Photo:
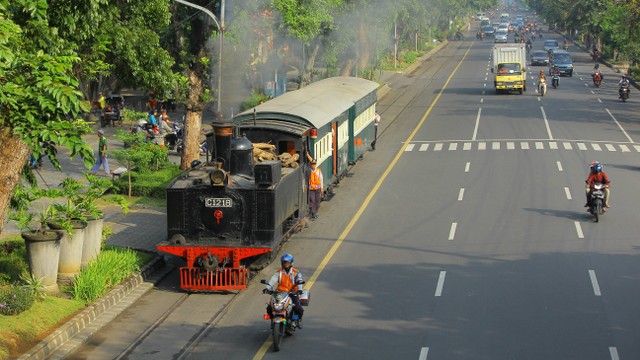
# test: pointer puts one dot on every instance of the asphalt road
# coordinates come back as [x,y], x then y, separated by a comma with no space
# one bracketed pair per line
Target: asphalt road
[463,236]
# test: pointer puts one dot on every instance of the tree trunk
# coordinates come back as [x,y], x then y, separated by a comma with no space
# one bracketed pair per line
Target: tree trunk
[13,154]
[193,121]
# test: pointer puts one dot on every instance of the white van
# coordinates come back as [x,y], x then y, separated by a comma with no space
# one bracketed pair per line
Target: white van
[504,16]
[480,16]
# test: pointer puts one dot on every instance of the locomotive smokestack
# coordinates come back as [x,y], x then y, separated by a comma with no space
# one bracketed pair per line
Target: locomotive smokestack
[223,135]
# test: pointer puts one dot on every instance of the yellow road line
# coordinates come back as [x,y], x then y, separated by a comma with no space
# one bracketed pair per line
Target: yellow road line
[263,349]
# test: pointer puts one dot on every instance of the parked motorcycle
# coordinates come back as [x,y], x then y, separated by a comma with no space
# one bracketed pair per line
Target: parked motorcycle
[596,200]
[542,87]
[284,321]
[623,93]
[555,81]
[597,78]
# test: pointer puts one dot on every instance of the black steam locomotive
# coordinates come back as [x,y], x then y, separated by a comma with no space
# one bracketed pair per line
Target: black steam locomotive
[233,212]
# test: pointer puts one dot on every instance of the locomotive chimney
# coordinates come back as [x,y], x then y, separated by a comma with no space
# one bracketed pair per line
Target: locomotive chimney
[223,132]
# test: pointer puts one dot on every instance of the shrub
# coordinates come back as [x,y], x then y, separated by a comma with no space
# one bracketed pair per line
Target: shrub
[15,299]
[107,271]
[410,57]
[255,99]
[634,72]
[151,184]
[13,263]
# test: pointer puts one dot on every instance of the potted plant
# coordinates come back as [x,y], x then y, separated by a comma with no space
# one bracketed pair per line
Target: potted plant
[42,243]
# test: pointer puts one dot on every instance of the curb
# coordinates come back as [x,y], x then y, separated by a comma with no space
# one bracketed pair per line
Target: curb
[384,88]
[64,333]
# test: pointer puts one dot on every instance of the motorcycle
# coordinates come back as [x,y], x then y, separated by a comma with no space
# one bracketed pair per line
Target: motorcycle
[528,46]
[596,200]
[623,92]
[597,78]
[284,321]
[174,138]
[565,46]
[542,87]
[555,81]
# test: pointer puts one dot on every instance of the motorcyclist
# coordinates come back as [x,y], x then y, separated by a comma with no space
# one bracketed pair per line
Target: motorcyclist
[286,279]
[597,176]
[565,45]
[555,72]
[529,45]
[596,70]
[624,81]
[542,78]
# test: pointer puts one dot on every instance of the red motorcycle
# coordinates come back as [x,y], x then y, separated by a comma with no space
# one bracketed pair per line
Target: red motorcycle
[597,78]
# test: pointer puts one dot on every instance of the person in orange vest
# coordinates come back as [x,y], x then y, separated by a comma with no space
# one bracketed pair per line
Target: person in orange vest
[315,189]
[287,279]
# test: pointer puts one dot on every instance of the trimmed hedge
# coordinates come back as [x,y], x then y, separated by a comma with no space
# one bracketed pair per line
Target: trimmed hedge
[150,184]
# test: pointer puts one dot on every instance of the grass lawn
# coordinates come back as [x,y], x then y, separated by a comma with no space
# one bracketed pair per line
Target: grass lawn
[20,332]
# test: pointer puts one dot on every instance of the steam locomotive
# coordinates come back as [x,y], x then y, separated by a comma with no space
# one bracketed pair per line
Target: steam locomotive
[231,215]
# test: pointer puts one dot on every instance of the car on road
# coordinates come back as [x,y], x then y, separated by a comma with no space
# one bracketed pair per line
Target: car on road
[563,60]
[550,45]
[539,58]
[501,36]
[488,31]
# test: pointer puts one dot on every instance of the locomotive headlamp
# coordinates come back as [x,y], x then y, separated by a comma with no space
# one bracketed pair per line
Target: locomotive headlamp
[314,133]
[218,177]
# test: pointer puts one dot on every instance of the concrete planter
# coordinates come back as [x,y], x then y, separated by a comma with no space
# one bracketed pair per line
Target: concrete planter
[43,253]
[92,240]
[70,251]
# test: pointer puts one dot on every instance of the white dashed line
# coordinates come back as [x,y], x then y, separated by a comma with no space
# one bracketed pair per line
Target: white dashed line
[440,284]
[482,146]
[453,146]
[579,230]
[452,231]
[567,145]
[610,147]
[637,147]
[553,145]
[511,145]
[559,165]
[423,353]
[582,146]
[613,352]
[437,147]
[475,129]
[539,145]
[600,101]
[594,283]
[624,148]
[567,192]
[409,147]
[467,167]
[495,146]
[524,145]
[460,194]
[466,146]
[596,147]
[424,147]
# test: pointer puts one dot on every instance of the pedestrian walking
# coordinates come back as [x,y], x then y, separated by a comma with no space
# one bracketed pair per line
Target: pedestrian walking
[376,121]
[101,160]
[315,189]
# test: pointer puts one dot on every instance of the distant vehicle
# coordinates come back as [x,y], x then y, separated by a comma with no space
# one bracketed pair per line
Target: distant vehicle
[504,15]
[540,58]
[550,45]
[488,31]
[503,27]
[114,105]
[563,60]
[480,15]
[501,36]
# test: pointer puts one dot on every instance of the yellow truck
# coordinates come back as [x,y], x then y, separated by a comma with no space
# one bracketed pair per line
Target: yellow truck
[510,67]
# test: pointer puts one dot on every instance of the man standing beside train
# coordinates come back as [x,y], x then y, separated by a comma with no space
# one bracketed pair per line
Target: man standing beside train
[315,189]
[376,121]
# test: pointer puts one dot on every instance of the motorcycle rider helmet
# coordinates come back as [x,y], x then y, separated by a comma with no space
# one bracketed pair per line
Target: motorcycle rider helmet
[286,258]
[596,66]
[541,72]
[596,167]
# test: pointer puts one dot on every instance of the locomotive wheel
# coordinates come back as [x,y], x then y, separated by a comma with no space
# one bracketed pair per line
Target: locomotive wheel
[178,240]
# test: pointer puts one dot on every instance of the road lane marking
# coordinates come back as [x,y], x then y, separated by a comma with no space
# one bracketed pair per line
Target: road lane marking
[579,230]
[567,192]
[524,145]
[610,147]
[600,101]
[365,204]
[466,167]
[481,100]
[437,147]
[539,145]
[624,148]
[559,165]
[596,147]
[553,145]
[423,353]
[637,147]
[440,284]
[452,231]
[592,93]
[567,145]
[613,352]
[594,283]
[424,147]
[495,146]
[409,147]
[475,129]
[582,146]
[453,146]
[482,145]
[466,146]
[460,194]
[620,126]
[546,123]
[511,145]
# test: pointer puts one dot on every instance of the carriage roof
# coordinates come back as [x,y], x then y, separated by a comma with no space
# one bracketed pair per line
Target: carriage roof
[312,106]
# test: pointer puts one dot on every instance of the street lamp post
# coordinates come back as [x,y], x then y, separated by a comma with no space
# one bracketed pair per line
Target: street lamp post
[220,26]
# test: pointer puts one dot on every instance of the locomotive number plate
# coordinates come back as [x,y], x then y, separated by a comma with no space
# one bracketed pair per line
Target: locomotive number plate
[218,202]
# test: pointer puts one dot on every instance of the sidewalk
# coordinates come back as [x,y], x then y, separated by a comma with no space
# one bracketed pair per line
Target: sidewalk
[142,228]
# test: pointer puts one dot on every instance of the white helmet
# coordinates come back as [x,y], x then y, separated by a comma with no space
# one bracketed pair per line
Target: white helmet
[141,123]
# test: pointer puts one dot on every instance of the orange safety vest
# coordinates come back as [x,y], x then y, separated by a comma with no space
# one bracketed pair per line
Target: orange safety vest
[286,282]
[315,180]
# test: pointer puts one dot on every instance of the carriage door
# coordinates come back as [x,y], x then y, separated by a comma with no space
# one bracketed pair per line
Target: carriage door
[334,147]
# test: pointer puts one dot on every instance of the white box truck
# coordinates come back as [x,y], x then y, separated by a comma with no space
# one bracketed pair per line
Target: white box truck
[510,67]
